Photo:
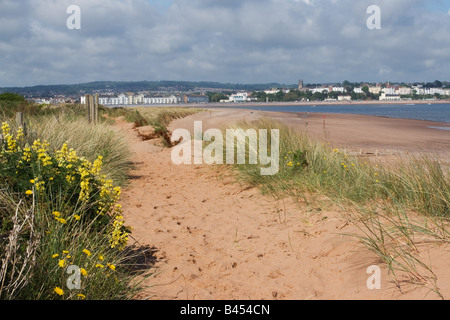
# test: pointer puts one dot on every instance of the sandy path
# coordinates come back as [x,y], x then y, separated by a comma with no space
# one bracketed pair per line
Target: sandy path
[217,239]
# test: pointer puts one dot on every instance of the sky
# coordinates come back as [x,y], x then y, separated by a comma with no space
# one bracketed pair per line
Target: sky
[230,41]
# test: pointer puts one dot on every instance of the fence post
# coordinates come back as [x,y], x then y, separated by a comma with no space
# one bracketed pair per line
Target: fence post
[92,108]
[96,108]
[88,108]
[21,122]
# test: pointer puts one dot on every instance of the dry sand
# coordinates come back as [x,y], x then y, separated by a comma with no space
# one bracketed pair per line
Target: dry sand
[214,238]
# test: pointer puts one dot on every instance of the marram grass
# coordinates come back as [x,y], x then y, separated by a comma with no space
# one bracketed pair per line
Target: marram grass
[308,165]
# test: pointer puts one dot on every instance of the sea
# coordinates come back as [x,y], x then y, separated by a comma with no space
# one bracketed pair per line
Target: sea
[439,112]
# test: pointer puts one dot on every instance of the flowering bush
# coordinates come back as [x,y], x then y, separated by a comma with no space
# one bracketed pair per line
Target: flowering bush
[75,210]
[296,160]
[37,171]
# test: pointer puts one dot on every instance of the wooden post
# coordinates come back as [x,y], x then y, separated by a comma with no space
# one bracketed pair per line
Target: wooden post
[91,109]
[88,108]
[95,109]
[21,122]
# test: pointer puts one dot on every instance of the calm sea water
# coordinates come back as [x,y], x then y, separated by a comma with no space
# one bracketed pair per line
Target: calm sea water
[432,112]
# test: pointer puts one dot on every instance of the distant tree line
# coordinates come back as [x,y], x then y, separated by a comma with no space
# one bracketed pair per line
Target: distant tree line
[9,96]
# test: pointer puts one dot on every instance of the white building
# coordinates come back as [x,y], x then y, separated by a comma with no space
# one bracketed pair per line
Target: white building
[389,97]
[320,90]
[403,91]
[358,90]
[433,91]
[338,89]
[160,100]
[344,98]
[375,90]
[273,91]
[388,91]
[122,99]
[239,97]
[419,90]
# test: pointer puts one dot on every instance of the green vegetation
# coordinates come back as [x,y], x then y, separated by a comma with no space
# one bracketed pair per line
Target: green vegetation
[57,210]
[59,207]
[216,97]
[60,185]
[8,96]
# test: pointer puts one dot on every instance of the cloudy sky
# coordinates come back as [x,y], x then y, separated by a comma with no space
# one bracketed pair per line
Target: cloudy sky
[237,41]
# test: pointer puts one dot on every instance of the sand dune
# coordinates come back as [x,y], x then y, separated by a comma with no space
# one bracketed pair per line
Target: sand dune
[217,239]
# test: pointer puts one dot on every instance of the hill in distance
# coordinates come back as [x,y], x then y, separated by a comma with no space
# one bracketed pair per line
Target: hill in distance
[133,86]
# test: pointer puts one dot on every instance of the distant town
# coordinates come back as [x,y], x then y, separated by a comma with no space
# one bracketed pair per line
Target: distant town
[179,93]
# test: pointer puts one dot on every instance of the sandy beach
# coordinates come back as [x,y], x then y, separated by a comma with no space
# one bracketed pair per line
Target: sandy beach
[215,238]
[357,133]
[300,103]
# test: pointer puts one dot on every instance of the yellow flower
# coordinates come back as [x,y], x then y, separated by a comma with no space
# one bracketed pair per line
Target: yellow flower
[59,291]
[66,252]
[77,217]
[83,272]
[62,263]
[100,257]
[112,267]
[82,296]
[28,192]
[56,214]
[55,256]
[98,265]
[61,220]
[87,252]
[32,181]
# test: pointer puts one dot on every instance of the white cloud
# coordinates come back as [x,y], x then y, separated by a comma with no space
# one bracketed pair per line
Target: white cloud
[230,41]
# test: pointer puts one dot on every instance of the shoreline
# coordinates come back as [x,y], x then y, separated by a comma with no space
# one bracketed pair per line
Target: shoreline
[323,103]
[358,132]
[444,126]
[243,106]
[288,103]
